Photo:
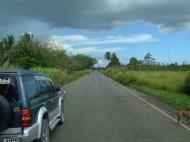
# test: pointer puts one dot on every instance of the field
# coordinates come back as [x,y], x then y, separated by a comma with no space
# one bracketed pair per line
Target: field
[166,85]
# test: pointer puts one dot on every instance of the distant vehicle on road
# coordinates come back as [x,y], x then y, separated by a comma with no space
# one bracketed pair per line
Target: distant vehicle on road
[30,106]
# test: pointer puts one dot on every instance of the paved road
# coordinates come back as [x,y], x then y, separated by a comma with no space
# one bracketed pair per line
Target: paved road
[98,110]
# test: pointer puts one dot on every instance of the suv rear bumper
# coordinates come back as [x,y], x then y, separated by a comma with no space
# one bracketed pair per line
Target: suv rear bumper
[12,138]
[29,134]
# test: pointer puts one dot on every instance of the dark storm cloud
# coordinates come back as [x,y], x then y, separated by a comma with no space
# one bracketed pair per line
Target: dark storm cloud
[169,15]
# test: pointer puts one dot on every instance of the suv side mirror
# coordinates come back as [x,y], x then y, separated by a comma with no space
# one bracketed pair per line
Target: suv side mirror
[57,88]
[64,92]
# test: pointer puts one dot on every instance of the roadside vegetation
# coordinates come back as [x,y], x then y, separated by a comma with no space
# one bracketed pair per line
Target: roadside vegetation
[170,83]
[60,76]
[28,52]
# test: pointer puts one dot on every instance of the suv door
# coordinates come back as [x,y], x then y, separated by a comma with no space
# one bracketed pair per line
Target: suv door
[54,98]
[34,90]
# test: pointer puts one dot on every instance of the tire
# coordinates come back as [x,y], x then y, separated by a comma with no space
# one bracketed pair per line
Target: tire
[45,136]
[62,119]
[5,109]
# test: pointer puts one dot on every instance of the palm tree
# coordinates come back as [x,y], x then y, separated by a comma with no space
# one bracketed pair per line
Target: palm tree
[108,56]
[7,47]
[115,60]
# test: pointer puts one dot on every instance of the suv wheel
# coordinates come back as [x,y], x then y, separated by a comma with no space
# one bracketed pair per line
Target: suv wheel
[62,115]
[44,132]
[6,111]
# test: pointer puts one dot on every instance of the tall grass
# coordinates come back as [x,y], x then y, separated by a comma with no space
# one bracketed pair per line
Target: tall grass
[60,76]
[163,80]
[167,85]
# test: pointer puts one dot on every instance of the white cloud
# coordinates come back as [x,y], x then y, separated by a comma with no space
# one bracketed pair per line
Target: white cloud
[97,49]
[122,40]
[67,47]
[70,38]
[85,50]
[101,63]
[80,44]
[83,40]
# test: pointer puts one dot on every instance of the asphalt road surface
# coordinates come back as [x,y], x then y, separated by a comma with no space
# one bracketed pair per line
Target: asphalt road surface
[97,109]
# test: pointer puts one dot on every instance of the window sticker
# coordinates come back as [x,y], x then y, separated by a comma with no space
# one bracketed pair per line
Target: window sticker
[5,81]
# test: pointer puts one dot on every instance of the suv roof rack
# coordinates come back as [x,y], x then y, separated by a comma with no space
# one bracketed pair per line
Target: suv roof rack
[21,72]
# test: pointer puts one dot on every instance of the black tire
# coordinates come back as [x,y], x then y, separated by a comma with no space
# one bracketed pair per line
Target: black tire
[45,136]
[62,119]
[5,110]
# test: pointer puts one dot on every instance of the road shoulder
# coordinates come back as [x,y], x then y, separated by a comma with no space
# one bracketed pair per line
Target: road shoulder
[154,102]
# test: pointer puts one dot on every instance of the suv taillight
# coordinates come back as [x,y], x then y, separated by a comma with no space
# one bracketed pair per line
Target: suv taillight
[26,117]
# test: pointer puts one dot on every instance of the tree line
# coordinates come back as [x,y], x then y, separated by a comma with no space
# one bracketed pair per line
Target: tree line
[147,63]
[28,51]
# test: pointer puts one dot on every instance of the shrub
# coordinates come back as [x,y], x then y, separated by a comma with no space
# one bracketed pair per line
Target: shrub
[187,85]
[26,62]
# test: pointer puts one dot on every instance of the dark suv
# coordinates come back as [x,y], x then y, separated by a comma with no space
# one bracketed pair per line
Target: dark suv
[30,106]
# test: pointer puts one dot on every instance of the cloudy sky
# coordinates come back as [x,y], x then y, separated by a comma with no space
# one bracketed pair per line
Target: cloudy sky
[127,27]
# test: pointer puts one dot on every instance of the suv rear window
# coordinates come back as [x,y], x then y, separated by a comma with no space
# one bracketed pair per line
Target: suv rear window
[9,87]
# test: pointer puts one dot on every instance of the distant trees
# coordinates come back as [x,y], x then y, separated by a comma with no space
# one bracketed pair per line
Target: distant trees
[149,63]
[134,63]
[80,62]
[112,58]
[149,60]
[28,52]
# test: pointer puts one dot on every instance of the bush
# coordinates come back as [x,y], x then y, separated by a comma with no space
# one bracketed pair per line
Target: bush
[26,62]
[187,85]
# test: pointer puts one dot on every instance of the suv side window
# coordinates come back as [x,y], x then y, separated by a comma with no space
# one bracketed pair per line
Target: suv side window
[41,85]
[48,87]
[30,86]
[52,86]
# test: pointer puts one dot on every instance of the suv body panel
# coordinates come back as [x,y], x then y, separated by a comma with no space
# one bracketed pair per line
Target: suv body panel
[46,105]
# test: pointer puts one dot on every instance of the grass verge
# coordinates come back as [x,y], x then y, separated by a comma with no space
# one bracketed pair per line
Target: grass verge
[175,99]
[165,85]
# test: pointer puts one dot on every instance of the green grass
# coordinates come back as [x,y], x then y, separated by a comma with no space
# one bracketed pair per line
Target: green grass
[60,76]
[177,100]
[163,80]
[57,75]
[166,85]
